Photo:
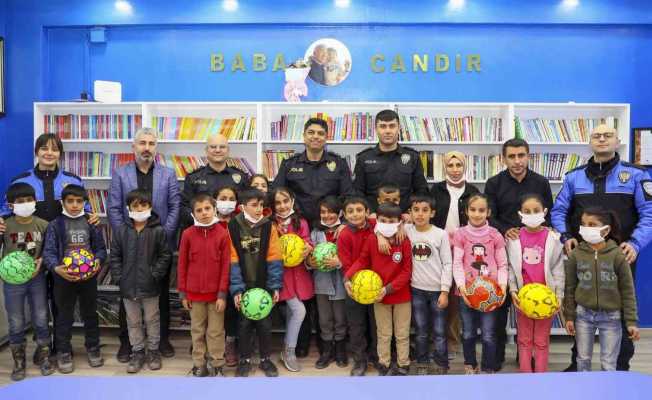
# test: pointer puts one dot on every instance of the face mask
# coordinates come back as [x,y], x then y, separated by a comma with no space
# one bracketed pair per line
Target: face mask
[454,181]
[283,216]
[532,220]
[592,235]
[387,230]
[334,224]
[140,216]
[201,225]
[81,214]
[252,219]
[25,209]
[225,207]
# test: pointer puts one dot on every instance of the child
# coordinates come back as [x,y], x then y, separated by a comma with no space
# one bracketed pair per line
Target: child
[333,70]
[535,257]
[391,193]
[139,259]
[599,290]
[297,281]
[226,202]
[432,277]
[256,261]
[260,182]
[24,232]
[392,308]
[359,317]
[329,289]
[478,250]
[202,280]
[72,231]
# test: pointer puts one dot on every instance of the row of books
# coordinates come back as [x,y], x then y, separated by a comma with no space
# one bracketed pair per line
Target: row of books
[350,126]
[555,165]
[94,164]
[190,128]
[479,167]
[75,126]
[97,198]
[559,130]
[462,129]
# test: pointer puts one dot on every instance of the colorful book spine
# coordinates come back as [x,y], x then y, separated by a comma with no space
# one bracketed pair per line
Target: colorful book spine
[454,129]
[97,198]
[560,130]
[200,129]
[75,126]
[348,127]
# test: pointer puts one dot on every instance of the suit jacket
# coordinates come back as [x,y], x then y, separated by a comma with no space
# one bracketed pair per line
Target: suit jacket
[166,197]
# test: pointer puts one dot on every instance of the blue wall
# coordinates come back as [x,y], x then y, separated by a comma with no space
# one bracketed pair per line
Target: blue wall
[531,51]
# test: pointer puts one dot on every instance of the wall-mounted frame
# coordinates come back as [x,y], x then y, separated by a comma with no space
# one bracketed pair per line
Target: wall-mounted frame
[642,146]
[2,76]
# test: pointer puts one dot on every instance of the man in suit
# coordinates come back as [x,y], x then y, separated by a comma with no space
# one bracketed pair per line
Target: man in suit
[161,183]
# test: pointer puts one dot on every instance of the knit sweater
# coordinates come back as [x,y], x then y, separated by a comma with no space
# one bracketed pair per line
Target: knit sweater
[350,241]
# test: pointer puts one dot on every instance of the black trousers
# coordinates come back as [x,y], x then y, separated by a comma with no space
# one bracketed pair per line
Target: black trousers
[360,319]
[66,295]
[501,329]
[263,330]
[231,318]
[164,309]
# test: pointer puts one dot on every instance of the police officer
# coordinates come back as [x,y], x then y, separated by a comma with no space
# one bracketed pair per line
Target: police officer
[618,186]
[314,173]
[389,162]
[211,177]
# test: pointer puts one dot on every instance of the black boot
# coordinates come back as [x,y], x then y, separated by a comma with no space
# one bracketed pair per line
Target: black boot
[124,352]
[327,355]
[46,365]
[341,358]
[18,353]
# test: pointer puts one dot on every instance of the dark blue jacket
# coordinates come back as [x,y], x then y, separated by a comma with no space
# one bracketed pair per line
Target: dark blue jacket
[54,245]
[615,185]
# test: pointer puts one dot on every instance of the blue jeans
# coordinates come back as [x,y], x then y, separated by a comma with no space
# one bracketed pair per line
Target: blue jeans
[428,320]
[35,293]
[486,322]
[609,328]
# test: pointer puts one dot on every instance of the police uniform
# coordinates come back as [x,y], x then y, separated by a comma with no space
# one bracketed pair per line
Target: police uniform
[614,185]
[206,179]
[310,181]
[401,167]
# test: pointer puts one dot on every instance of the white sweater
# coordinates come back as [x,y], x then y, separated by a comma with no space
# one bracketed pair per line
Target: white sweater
[431,259]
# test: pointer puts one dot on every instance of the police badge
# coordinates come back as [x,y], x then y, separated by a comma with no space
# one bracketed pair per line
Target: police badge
[236,178]
[405,158]
[647,189]
[624,176]
[331,165]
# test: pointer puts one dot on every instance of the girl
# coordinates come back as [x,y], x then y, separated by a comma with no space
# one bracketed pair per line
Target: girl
[599,286]
[535,257]
[227,200]
[478,250]
[329,288]
[297,281]
[260,182]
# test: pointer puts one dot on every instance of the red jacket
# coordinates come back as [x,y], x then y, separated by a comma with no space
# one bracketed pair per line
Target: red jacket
[297,281]
[350,241]
[204,263]
[395,269]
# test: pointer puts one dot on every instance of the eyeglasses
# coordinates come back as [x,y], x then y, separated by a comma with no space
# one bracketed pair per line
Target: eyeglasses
[606,135]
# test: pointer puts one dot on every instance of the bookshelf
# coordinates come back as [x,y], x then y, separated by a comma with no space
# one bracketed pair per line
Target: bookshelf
[256,126]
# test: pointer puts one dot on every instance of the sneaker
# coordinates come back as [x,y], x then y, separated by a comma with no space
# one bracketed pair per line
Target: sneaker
[45,364]
[65,363]
[382,370]
[268,367]
[136,362]
[218,372]
[231,353]
[124,352]
[166,349]
[95,359]
[359,368]
[289,359]
[324,360]
[469,370]
[400,371]
[200,372]
[154,360]
[244,367]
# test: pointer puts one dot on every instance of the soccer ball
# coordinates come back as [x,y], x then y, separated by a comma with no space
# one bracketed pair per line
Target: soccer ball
[484,294]
[324,251]
[537,301]
[292,247]
[17,268]
[81,263]
[256,304]
[365,286]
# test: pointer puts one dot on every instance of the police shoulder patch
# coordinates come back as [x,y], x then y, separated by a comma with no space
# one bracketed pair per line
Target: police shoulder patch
[646,185]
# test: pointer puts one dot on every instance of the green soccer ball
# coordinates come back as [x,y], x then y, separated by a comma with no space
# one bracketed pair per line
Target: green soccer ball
[256,304]
[17,268]
[322,252]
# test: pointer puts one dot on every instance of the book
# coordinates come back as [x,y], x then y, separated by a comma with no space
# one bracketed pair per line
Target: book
[453,129]
[106,126]
[348,127]
[200,129]
[559,130]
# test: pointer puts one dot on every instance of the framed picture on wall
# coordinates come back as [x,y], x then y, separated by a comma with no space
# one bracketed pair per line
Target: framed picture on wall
[2,76]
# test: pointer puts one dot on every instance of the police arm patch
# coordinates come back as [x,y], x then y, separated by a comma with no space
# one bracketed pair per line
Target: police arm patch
[646,185]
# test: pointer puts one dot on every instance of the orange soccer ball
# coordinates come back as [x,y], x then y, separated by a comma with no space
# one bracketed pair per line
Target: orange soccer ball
[484,294]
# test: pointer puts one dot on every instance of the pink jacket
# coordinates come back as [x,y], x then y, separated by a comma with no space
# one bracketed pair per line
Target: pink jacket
[479,250]
[297,281]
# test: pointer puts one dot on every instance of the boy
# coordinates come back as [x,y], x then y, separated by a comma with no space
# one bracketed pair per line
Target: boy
[139,259]
[359,317]
[24,232]
[432,277]
[67,232]
[202,279]
[389,193]
[392,308]
[255,262]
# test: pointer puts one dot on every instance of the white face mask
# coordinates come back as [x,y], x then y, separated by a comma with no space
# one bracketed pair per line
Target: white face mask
[25,209]
[140,216]
[334,224]
[252,219]
[387,230]
[214,221]
[533,220]
[81,214]
[290,212]
[592,235]
[225,207]
[455,181]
